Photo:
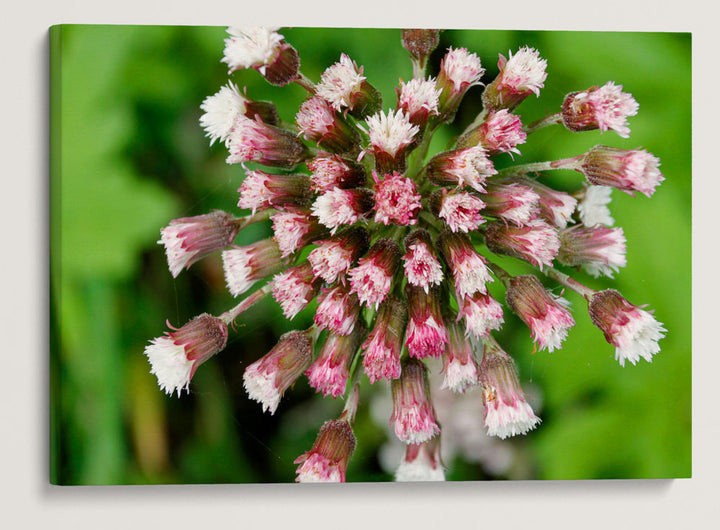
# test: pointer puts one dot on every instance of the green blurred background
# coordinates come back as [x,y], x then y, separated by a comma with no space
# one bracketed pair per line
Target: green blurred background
[128,155]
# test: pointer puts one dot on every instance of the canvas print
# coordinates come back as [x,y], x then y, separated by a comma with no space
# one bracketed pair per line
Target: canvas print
[368,255]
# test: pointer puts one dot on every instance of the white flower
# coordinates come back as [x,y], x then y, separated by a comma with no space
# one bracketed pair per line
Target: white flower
[505,419]
[418,94]
[390,133]
[593,208]
[221,110]
[261,386]
[462,68]
[339,82]
[638,337]
[251,47]
[471,274]
[525,71]
[169,364]
[236,264]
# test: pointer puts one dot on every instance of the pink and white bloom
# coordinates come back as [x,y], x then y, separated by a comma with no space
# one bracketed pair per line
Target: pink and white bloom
[175,356]
[328,459]
[418,99]
[629,171]
[482,314]
[512,202]
[330,371]
[421,463]
[607,107]
[263,49]
[422,267]
[338,310]
[383,345]
[413,413]
[593,206]
[396,200]
[501,132]
[267,379]
[342,83]
[462,167]
[469,269]
[426,334]
[251,140]
[261,190]
[342,207]
[243,266]
[547,316]
[295,229]
[189,239]
[633,331]
[459,365]
[556,207]
[294,289]
[459,70]
[537,242]
[507,413]
[460,210]
[390,136]
[372,278]
[520,75]
[334,257]
[332,171]
[318,122]
[599,250]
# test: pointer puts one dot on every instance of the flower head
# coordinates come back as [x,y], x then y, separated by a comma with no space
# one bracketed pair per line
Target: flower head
[332,171]
[537,242]
[328,459]
[607,107]
[330,371]
[520,75]
[372,278]
[501,132]
[459,365]
[556,207]
[294,230]
[261,48]
[482,314]
[396,200]
[338,310]
[342,207]
[592,207]
[469,268]
[175,356]
[633,331]
[261,190]
[243,266]
[422,266]
[333,257]
[418,99]
[251,140]
[390,136]
[460,210]
[426,335]
[462,167]
[599,250]
[413,413]
[383,346]
[629,171]
[318,122]
[294,289]
[421,463]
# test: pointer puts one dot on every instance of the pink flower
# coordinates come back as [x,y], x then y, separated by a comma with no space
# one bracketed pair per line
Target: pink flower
[294,289]
[461,210]
[512,202]
[607,107]
[333,257]
[546,316]
[629,171]
[294,230]
[342,207]
[330,371]
[599,250]
[332,171]
[384,344]
[507,413]
[372,278]
[459,365]
[338,310]
[390,136]
[462,167]
[175,356]
[261,190]
[469,268]
[422,267]
[425,335]
[520,75]
[459,70]
[501,132]
[318,122]
[251,140]
[328,459]
[413,413]
[556,207]
[482,314]
[267,379]
[536,242]
[243,266]
[418,99]
[396,200]
[633,331]
[340,83]
[189,239]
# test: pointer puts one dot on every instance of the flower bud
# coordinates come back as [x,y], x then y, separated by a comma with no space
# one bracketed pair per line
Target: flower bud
[633,331]
[420,43]
[546,315]
[629,171]
[267,379]
[413,413]
[243,266]
[175,356]
[607,107]
[189,239]
[507,413]
[328,459]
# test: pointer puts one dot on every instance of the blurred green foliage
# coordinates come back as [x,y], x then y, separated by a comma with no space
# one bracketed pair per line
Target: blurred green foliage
[128,155]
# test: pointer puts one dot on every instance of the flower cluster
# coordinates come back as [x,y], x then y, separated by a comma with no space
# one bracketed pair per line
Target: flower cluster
[399,246]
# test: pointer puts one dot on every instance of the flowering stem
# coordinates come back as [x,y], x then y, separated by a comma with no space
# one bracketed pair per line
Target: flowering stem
[242,222]
[351,402]
[564,163]
[476,122]
[552,119]
[232,314]
[567,281]
[305,82]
